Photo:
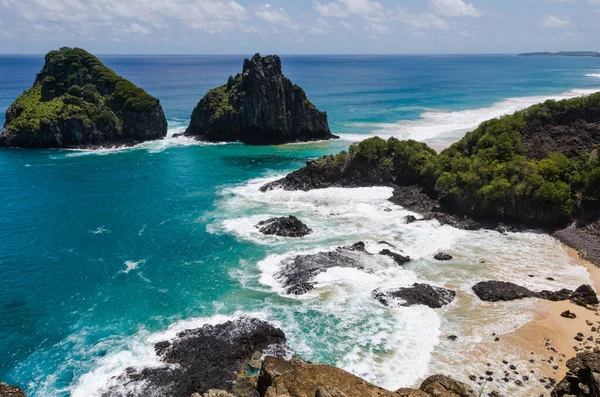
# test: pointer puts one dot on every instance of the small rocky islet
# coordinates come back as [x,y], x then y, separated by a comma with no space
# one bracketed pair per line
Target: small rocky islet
[78,102]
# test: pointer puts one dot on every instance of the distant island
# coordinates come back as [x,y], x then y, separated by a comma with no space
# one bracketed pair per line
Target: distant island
[592,54]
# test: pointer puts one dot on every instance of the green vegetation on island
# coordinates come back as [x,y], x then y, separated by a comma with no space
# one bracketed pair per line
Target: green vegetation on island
[78,101]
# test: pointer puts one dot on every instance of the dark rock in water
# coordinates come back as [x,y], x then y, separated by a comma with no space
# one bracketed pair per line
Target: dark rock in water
[284,227]
[77,102]
[10,391]
[584,296]
[410,219]
[452,338]
[568,314]
[211,357]
[495,291]
[441,256]
[440,385]
[258,106]
[399,259]
[297,275]
[298,378]
[418,294]
[415,198]
[583,378]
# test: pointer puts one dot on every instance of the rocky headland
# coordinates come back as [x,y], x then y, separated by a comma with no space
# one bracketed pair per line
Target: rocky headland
[259,106]
[78,102]
[538,167]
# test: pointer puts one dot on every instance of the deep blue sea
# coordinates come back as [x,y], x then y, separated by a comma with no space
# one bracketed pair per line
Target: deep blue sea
[104,253]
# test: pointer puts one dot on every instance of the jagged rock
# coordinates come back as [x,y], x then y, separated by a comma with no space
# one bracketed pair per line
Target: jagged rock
[568,314]
[208,358]
[215,393]
[285,227]
[582,378]
[418,294]
[298,273]
[298,378]
[442,256]
[584,296]
[443,386]
[10,391]
[77,102]
[584,236]
[259,106]
[495,291]
[399,259]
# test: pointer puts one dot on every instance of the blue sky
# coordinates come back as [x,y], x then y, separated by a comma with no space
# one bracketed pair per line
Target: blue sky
[299,26]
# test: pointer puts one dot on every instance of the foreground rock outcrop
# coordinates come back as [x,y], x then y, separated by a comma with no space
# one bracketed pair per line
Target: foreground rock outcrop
[583,378]
[10,391]
[284,227]
[259,106]
[298,378]
[495,291]
[584,236]
[212,357]
[77,102]
[418,294]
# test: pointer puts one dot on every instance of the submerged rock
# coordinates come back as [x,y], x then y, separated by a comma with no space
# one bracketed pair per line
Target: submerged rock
[285,227]
[495,291]
[77,102]
[298,378]
[10,391]
[442,256]
[258,106]
[212,357]
[297,275]
[399,259]
[418,294]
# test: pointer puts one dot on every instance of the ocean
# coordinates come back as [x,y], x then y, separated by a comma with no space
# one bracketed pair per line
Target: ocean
[103,253]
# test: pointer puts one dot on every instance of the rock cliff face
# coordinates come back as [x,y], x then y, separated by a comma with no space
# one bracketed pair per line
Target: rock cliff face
[259,106]
[77,102]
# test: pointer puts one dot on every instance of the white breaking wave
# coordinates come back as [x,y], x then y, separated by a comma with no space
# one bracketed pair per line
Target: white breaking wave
[597,75]
[452,126]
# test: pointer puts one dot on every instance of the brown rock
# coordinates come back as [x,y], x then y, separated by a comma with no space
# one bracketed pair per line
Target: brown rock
[443,386]
[10,391]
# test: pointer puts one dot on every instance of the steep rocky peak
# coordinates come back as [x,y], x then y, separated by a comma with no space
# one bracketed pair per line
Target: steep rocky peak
[260,66]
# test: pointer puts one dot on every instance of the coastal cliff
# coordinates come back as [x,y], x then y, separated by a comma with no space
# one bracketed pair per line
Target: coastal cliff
[78,102]
[258,106]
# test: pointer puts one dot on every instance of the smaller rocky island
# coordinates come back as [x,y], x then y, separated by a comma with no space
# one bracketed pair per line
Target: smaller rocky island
[78,102]
[259,106]
[284,227]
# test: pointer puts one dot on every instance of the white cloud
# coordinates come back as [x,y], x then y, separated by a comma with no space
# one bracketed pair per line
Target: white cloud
[368,9]
[454,8]
[136,29]
[552,21]
[211,16]
[272,14]
[330,10]
[422,21]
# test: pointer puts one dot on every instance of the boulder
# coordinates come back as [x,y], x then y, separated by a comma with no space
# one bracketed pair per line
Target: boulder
[77,102]
[284,227]
[211,359]
[568,314]
[418,294]
[584,296]
[441,256]
[443,386]
[582,378]
[258,106]
[10,391]
[298,378]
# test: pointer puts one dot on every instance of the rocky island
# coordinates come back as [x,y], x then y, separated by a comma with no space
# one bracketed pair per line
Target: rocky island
[259,106]
[78,102]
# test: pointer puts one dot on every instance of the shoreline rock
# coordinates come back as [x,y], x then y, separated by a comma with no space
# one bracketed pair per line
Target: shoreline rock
[259,106]
[284,227]
[78,102]
[418,294]
[11,391]
[496,291]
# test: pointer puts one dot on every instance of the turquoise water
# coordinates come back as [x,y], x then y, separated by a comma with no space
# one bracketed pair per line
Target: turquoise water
[100,251]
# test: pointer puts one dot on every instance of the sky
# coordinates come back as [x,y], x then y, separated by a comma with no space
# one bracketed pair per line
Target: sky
[299,26]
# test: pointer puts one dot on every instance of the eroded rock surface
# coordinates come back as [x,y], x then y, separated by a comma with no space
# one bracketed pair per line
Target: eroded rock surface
[418,294]
[284,227]
[10,391]
[495,291]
